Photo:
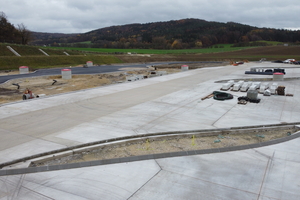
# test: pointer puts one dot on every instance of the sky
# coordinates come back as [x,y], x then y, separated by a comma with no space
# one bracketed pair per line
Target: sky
[81,16]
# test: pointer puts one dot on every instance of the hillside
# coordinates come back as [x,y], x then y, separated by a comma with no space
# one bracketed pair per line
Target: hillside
[175,34]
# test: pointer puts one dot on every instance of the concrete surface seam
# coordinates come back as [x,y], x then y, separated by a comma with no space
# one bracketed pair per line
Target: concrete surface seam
[146,181]
[223,115]
[270,161]
[18,187]
[142,157]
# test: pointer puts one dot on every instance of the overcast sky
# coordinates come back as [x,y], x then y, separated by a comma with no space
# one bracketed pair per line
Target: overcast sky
[80,16]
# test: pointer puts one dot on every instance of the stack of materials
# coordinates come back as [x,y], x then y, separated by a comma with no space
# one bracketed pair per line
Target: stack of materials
[227,85]
[245,86]
[237,86]
[280,90]
[263,87]
[273,88]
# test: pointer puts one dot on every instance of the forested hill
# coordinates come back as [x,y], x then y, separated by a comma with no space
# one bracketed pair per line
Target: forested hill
[175,34]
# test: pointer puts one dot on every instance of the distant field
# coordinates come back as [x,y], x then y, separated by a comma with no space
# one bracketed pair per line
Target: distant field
[215,49]
[78,56]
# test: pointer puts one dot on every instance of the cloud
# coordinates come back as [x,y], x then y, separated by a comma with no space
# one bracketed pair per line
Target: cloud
[77,16]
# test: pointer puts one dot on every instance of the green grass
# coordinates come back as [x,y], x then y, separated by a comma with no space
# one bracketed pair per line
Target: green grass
[36,62]
[26,50]
[270,42]
[226,47]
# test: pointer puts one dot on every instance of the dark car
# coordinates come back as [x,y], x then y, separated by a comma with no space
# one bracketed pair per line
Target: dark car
[277,61]
[279,70]
[269,70]
[296,63]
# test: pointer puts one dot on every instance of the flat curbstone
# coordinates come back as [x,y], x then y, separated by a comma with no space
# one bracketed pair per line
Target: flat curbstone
[114,160]
[254,146]
[133,158]
[208,151]
[124,160]
[30,170]
[85,164]
[143,157]
[74,165]
[169,155]
[14,171]
[53,167]
[191,153]
[161,155]
[150,157]
[177,154]
[238,148]
[3,172]
[225,149]
[200,151]
[41,169]
[65,166]
[105,162]
[95,163]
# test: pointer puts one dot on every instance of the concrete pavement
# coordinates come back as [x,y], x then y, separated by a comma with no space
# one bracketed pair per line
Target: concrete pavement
[166,103]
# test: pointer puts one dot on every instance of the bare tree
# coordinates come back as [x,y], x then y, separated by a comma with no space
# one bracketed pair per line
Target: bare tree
[25,34]
[3,16]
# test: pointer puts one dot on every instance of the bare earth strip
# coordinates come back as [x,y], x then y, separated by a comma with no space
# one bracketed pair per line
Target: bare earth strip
[166,145]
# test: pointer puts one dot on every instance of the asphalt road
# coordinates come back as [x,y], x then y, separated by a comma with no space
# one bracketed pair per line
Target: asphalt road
[81,70]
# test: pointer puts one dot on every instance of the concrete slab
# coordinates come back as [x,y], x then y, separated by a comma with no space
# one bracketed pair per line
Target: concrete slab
[166,103]
[105,182]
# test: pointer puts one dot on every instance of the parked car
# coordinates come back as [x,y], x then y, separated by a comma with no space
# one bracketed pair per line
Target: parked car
[296,62]
[289,61]
[277,61]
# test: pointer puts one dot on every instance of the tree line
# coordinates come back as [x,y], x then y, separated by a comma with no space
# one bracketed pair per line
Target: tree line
[11,34]
[174,34]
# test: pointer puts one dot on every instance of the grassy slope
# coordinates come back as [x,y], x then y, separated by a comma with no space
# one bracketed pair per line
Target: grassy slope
[35,62]
[225,48]
[58,59]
